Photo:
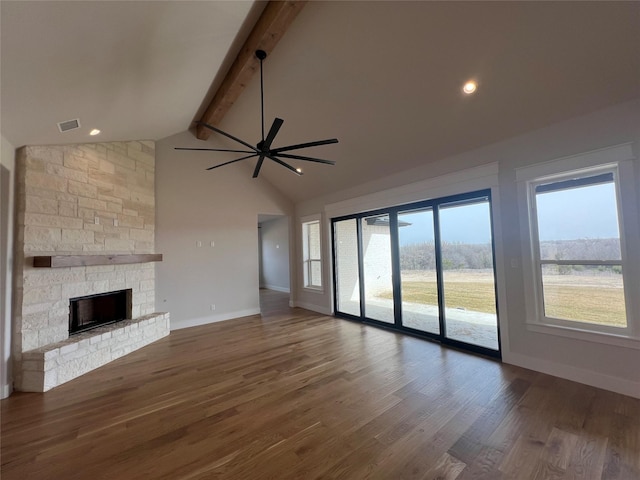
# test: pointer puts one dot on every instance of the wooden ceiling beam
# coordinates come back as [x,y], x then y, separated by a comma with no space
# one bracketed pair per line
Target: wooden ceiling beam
[268,30]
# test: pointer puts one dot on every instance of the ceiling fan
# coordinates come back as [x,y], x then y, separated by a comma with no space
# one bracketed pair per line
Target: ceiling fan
[263,148]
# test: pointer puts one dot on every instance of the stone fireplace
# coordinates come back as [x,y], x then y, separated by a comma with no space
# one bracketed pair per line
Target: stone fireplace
[82,201]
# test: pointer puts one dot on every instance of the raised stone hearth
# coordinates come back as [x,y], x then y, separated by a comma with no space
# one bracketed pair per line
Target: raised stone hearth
[57,363]
[73,201]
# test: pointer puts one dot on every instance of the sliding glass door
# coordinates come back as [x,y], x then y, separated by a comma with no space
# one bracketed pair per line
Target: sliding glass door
[347,278]
[418,279]
[376,268]
[468,285]
[425,268]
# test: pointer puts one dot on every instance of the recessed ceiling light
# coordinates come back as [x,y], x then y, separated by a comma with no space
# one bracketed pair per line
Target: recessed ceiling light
[299,170]
[470,87]
[95,131]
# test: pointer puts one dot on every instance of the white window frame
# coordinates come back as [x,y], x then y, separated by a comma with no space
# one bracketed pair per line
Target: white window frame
[620,161]
[307,262]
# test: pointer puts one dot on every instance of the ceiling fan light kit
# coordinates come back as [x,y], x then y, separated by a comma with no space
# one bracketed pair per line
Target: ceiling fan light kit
[263,148]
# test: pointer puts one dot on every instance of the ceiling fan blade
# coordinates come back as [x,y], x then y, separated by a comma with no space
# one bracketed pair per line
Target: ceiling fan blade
[258,166]
[307,159]
[305,145]
[275,127]
[212,149]
[217,130]
[233,161]
[286,165]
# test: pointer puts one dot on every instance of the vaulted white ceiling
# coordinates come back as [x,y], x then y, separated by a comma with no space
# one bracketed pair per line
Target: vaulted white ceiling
[134,69]
[383,77]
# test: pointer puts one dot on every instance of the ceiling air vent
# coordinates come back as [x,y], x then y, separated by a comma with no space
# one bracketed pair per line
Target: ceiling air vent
[69,125]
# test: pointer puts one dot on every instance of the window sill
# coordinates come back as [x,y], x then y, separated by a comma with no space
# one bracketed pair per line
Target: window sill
[313,289]
[586,335]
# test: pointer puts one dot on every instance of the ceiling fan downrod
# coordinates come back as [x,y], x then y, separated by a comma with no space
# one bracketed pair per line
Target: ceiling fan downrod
[261,55]
[263,148]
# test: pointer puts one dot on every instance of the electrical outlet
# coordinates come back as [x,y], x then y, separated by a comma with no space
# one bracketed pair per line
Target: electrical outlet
[213,307]
[97,220]
[198,243]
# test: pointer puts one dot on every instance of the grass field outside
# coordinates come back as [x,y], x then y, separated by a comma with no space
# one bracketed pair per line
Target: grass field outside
[588,298]
[587,303]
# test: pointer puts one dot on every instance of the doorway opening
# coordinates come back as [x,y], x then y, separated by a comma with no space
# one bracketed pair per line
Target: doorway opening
[273,258]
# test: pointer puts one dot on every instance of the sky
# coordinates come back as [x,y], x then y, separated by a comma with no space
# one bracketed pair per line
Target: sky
[587,212]
[463,224]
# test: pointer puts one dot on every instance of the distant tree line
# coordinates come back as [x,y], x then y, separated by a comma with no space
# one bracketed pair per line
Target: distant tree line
[421,256]
[584,249]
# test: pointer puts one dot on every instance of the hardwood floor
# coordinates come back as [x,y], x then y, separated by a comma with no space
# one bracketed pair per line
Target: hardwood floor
[294,394]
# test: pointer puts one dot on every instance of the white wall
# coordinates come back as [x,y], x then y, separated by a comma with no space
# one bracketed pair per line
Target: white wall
[7,166]
[275,254]
[606,366]
[220,206]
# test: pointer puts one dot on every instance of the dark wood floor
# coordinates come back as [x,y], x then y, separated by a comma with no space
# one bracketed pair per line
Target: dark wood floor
[294,394]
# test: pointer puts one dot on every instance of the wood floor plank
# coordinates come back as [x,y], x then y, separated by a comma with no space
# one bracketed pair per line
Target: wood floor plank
[447,468]
[587,460]
[291,394]
[471,442]
[621,458]
[416,453]
[522,457]
[559,448]
[484,466]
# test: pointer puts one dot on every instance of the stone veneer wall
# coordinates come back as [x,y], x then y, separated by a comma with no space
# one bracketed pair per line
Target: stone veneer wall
[78,199]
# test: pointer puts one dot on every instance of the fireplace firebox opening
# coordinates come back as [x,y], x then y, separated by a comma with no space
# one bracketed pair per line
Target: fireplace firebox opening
[93,311]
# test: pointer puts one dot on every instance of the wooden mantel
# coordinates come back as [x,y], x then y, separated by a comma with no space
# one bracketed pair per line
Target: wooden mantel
[55,261]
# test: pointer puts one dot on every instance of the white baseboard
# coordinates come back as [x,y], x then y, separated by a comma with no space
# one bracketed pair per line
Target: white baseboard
[276,288]
[7,389]
[314,308]
[594,379]
[195,322]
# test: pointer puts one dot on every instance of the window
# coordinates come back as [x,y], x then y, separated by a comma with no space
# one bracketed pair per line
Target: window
[312,255]
[578,250]
[580,277]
